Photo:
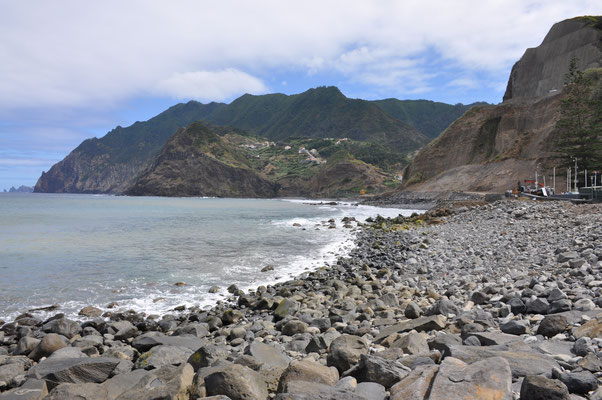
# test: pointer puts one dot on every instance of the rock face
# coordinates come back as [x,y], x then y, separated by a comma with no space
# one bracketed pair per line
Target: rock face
[196,162]
[540,71]
[491,148]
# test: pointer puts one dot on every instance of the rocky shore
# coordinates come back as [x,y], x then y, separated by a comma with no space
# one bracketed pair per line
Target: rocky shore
[497,301]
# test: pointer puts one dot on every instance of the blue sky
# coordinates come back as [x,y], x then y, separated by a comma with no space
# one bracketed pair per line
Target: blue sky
[72,70]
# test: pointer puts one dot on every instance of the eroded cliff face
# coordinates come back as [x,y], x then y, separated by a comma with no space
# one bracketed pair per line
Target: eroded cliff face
[491,148]
[196,162]
[540,71]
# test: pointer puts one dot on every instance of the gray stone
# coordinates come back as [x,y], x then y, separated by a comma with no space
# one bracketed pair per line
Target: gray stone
[423,324]
[412,343]
[160,356]
[583,346]
[579,382]
[371,390]
[49,344]
[412,311]
[584,305]
[32,389]
[294,327]
[523,361]
[302,390]
[62,326]
[79,391]
[538,306]
[517,306]
[345,351]
[535,387]
[285,308]
[166,383]
[26,345]
[196,329]
[237,382]
[515,327]
[566,256]
[443,306]
[67,352]
[494,338]
[443,341]
[9,372]
[307,371]
[372,368]
[552,325]
[268,355]
[74,370]
[416,385]
[207,356]
[90,312]
[148,340]
[485,379]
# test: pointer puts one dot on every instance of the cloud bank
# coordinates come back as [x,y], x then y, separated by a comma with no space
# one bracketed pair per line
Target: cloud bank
[74,53]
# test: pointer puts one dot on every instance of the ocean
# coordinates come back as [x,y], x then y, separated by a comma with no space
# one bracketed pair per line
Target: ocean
[151,254]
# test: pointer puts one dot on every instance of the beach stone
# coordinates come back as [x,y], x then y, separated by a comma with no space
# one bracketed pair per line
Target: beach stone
[62,326]
[584,305]
[26,345]
[443,341]
[412,343]
[560,306]
[67,352]
[479,298]
[591,329]
[48,345]
[168,382]
[294,327]
[309,371]
[371,390]
[372,368]
[90,312]
[345,351]
[515,327]
[442,306]
[494,338]
[207,355]
[81,391]
[579,382]
[566,256]
[490,378]
[237,382]
[268,355]
[347,383]
[535,387]
[9,372]
[412,311]
[538,306]
[32,389]
[583,346]
[126,332]
[302,390]
[195,329]
[285,308]
[517,306]
[591,363]
[73,370]
[321,323]
[552,325]
[149,340]
[422,324]
[416,384]
[523,361]
[160,356]
[237,333]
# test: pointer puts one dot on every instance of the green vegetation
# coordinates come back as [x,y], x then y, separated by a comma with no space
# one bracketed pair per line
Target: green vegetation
[578,133]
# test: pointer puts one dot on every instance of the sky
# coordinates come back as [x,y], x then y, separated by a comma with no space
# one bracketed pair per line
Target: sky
[72,69]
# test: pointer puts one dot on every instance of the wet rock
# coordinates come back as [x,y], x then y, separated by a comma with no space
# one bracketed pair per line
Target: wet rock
[535,387]
[345,351]
[489,378]
[237,382]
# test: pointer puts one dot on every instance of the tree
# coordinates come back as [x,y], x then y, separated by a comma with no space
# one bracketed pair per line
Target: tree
[578,131]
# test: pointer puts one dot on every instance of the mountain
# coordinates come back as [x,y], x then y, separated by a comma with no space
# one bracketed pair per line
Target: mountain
[491,148]
[197,162]
[112,163]
[429,117]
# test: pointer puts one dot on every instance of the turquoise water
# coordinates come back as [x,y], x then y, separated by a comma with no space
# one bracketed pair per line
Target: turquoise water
[78,250]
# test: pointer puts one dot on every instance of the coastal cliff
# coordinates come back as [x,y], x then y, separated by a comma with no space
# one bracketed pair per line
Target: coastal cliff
[491,148]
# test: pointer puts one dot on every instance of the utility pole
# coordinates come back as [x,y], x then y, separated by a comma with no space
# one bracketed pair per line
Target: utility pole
[576,190]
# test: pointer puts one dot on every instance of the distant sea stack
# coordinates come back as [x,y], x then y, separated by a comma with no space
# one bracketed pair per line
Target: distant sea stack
[491,148]
[20,189]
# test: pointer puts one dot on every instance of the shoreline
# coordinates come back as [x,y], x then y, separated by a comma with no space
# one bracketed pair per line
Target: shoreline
[477,283]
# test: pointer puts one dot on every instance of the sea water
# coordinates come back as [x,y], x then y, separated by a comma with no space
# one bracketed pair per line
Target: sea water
[151,254]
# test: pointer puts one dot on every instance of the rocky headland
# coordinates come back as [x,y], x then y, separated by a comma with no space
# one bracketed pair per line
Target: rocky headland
[492,301]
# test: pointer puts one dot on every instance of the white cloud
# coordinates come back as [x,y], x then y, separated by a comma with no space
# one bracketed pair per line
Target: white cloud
[74,53]
[210,85]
